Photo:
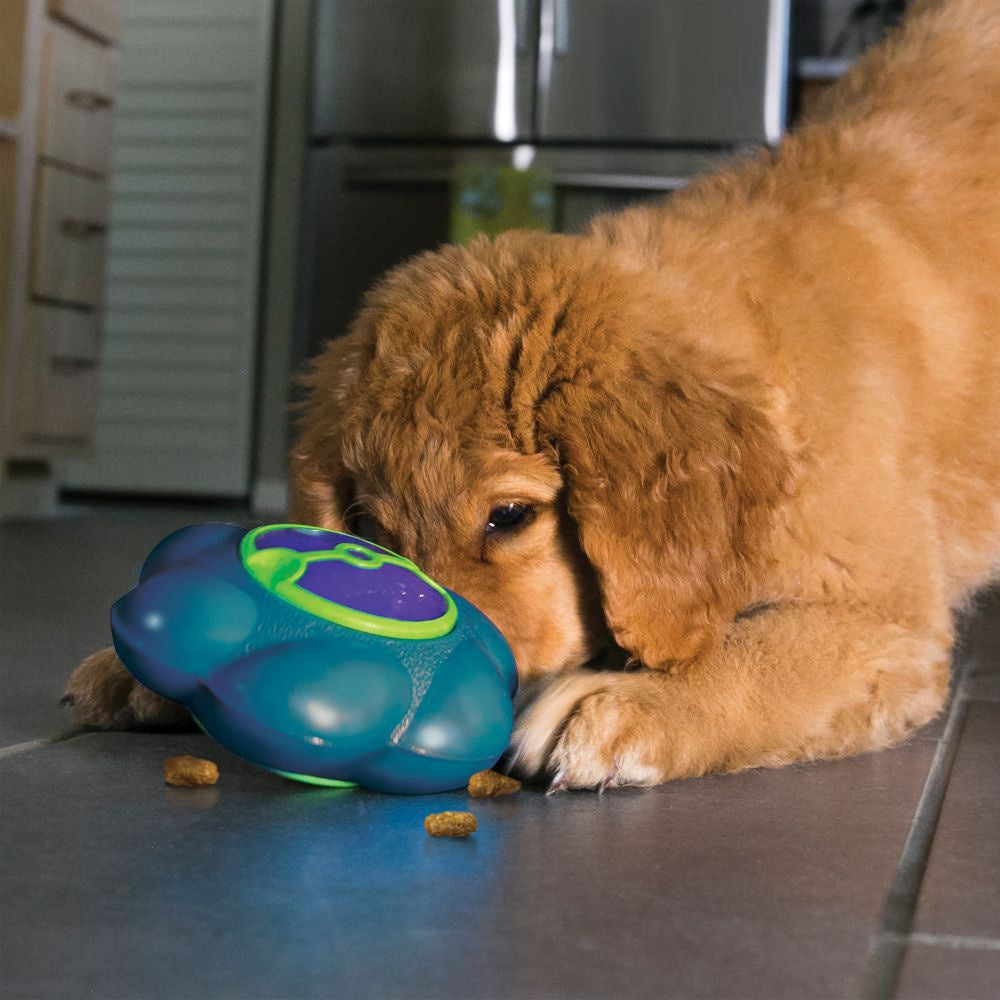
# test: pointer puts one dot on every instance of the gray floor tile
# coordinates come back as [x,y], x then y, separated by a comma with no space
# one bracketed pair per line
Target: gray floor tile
[981,636]
[764,884]
[945,972]
[981,649]
[58,583]
[960,894]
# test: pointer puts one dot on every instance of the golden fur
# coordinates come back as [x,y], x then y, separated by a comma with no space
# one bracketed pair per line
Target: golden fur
[756,422]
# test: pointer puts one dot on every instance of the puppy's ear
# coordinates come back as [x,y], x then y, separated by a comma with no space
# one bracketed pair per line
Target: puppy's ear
[673,478]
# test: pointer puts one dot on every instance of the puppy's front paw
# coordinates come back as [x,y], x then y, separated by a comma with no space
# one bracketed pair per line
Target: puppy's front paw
[101,693]
[595,730]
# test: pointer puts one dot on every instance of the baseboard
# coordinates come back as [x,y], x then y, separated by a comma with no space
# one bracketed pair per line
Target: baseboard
[29,492]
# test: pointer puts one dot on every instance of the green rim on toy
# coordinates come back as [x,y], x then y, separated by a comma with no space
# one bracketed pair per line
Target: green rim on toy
[279,570]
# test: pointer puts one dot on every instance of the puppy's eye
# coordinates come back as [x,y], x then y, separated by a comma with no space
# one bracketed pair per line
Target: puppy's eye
[509,516]
[364,525]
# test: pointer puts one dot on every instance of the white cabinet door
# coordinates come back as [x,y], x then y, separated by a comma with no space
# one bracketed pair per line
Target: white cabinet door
[187,189]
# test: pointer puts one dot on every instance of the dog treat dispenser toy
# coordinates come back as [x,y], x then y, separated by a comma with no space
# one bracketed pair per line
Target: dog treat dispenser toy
[320,655]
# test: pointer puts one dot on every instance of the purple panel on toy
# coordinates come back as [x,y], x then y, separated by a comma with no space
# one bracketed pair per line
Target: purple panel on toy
[389,591]
[305,540]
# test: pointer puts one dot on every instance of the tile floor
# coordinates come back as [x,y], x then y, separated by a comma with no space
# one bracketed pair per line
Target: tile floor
[877,876]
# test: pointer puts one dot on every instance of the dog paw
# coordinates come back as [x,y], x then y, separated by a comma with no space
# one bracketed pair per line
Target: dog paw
[102,694]
[593,730]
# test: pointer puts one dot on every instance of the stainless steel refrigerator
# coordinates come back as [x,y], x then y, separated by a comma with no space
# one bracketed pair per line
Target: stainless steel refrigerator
[616,99]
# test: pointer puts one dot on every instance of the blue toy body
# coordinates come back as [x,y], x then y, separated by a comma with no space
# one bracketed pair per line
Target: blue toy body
[320,655]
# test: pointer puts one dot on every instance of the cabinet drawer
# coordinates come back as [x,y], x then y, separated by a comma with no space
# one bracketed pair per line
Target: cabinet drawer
[99,17]
[70,238]
[75,112]
[60,399]
[14,16]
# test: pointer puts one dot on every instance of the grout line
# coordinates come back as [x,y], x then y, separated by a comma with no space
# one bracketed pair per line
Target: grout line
[984,687]
[958,942]
[885,959]
[17,748]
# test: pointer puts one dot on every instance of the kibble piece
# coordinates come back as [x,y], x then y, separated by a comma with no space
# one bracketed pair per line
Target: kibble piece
[189,771]
[488,783]
[450,824]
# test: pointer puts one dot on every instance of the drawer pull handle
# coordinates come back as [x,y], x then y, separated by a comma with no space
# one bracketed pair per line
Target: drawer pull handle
[88,100]
[71,366]
[81,229]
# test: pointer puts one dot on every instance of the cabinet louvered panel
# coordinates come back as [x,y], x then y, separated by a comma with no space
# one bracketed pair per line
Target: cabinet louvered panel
[176,399]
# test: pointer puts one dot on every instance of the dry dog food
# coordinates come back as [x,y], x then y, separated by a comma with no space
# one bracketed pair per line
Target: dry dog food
[189,771]
[484,784]
[450,824]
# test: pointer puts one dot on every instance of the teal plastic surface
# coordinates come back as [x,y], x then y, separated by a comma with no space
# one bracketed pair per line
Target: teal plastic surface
[307,695]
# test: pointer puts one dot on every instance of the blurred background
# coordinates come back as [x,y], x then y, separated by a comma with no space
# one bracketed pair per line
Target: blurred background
[194,194]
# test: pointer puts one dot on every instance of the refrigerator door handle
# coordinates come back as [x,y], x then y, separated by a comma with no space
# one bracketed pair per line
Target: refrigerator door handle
[505,117]
[587,180]
[560,28]
[553,44]
[778,19]
[359,177]
[546,56]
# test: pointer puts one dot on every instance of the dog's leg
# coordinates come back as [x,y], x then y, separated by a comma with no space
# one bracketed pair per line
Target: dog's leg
[103,694]
[789,684]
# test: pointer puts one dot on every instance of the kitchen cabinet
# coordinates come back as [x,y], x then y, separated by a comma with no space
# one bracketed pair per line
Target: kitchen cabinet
[58,66]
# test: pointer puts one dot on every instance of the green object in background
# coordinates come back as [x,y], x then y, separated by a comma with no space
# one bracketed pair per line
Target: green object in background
[490,200]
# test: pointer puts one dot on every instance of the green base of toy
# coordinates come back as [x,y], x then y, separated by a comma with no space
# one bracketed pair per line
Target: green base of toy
[308,779]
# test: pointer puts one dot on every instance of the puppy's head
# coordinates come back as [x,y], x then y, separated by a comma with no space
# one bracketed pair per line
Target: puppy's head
[517,418]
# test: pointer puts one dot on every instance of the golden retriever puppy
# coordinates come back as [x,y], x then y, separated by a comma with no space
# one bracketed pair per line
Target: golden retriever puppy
[745,440]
